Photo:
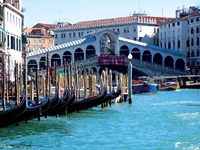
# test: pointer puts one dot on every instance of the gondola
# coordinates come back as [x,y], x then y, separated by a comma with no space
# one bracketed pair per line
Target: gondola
[112,95]
[62,104]
[7,115]
[54,102]
[86,103]
[44,103]
[63,108]
[29,113]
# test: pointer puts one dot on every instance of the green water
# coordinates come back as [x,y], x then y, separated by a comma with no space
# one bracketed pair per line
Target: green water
[166,120]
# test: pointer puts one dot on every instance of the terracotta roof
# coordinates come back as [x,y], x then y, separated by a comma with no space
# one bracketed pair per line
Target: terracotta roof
[116,21]
[43,25]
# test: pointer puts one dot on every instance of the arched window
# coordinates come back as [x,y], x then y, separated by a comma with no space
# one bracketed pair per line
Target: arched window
[197,41]
[188,54]
[192,54]
[192,42]
[169,45]
[192,31]
[197,52]
[197,30]
[178,43]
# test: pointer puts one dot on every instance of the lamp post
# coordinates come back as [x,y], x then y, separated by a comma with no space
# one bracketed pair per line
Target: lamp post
[130,78]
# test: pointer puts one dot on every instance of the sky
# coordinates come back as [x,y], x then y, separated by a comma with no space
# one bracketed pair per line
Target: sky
[72,11]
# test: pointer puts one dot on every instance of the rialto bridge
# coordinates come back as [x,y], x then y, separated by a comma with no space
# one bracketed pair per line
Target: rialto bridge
[105,49]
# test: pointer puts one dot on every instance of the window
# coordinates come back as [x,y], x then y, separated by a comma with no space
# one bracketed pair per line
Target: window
[19,23]
[56,36]
[197,41]
[11,18]
[178,23]
[154,30]
[169,45]
[74,34]
[70,35]
[117,29]
[192,31]
[51,41]
[197,19]
[192,42]
[16,22]
[192,54]
[178,43]
[197,30]
[197,52]
[7,17]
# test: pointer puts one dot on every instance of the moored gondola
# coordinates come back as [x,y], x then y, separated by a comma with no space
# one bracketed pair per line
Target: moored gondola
[110,96]
[54,102]
[86,103]
[7,115]
[62,104]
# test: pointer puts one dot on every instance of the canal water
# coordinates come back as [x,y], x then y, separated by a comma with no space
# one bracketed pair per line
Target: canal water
[166,120]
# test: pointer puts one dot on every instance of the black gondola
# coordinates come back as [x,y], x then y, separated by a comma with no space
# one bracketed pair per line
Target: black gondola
[62,104]
[110,96]
[63,108]
[7,116]
[86,103]
[54,102]
[30,113]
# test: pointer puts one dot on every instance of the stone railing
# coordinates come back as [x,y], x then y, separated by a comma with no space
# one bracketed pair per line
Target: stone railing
[147,67]
[155,68]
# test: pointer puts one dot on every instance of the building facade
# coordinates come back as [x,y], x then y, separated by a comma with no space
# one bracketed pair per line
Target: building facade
[141,28]
[183,34]
[40,36]
[11,33]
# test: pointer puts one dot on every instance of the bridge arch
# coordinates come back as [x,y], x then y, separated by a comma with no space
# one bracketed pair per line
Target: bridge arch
[32,64]
[169,61]
[55,58]
[42,62]
[90,51]
[136,53]
[158,59]
[146,56]
[124,51]
[78,55]
[67,56]
[180,64]
[107,43]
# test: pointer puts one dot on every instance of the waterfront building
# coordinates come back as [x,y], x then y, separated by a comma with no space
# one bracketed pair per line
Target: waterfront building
[40,36]
[183,34]
[138,27]
[2,31]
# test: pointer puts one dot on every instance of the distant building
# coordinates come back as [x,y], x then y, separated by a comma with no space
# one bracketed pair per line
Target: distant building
[138,27]
[40,36]
[183,34]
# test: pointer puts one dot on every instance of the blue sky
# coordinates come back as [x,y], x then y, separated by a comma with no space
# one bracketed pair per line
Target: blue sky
[52,11]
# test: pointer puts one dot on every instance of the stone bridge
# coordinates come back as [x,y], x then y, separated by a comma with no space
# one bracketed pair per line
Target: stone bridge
[149,59]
